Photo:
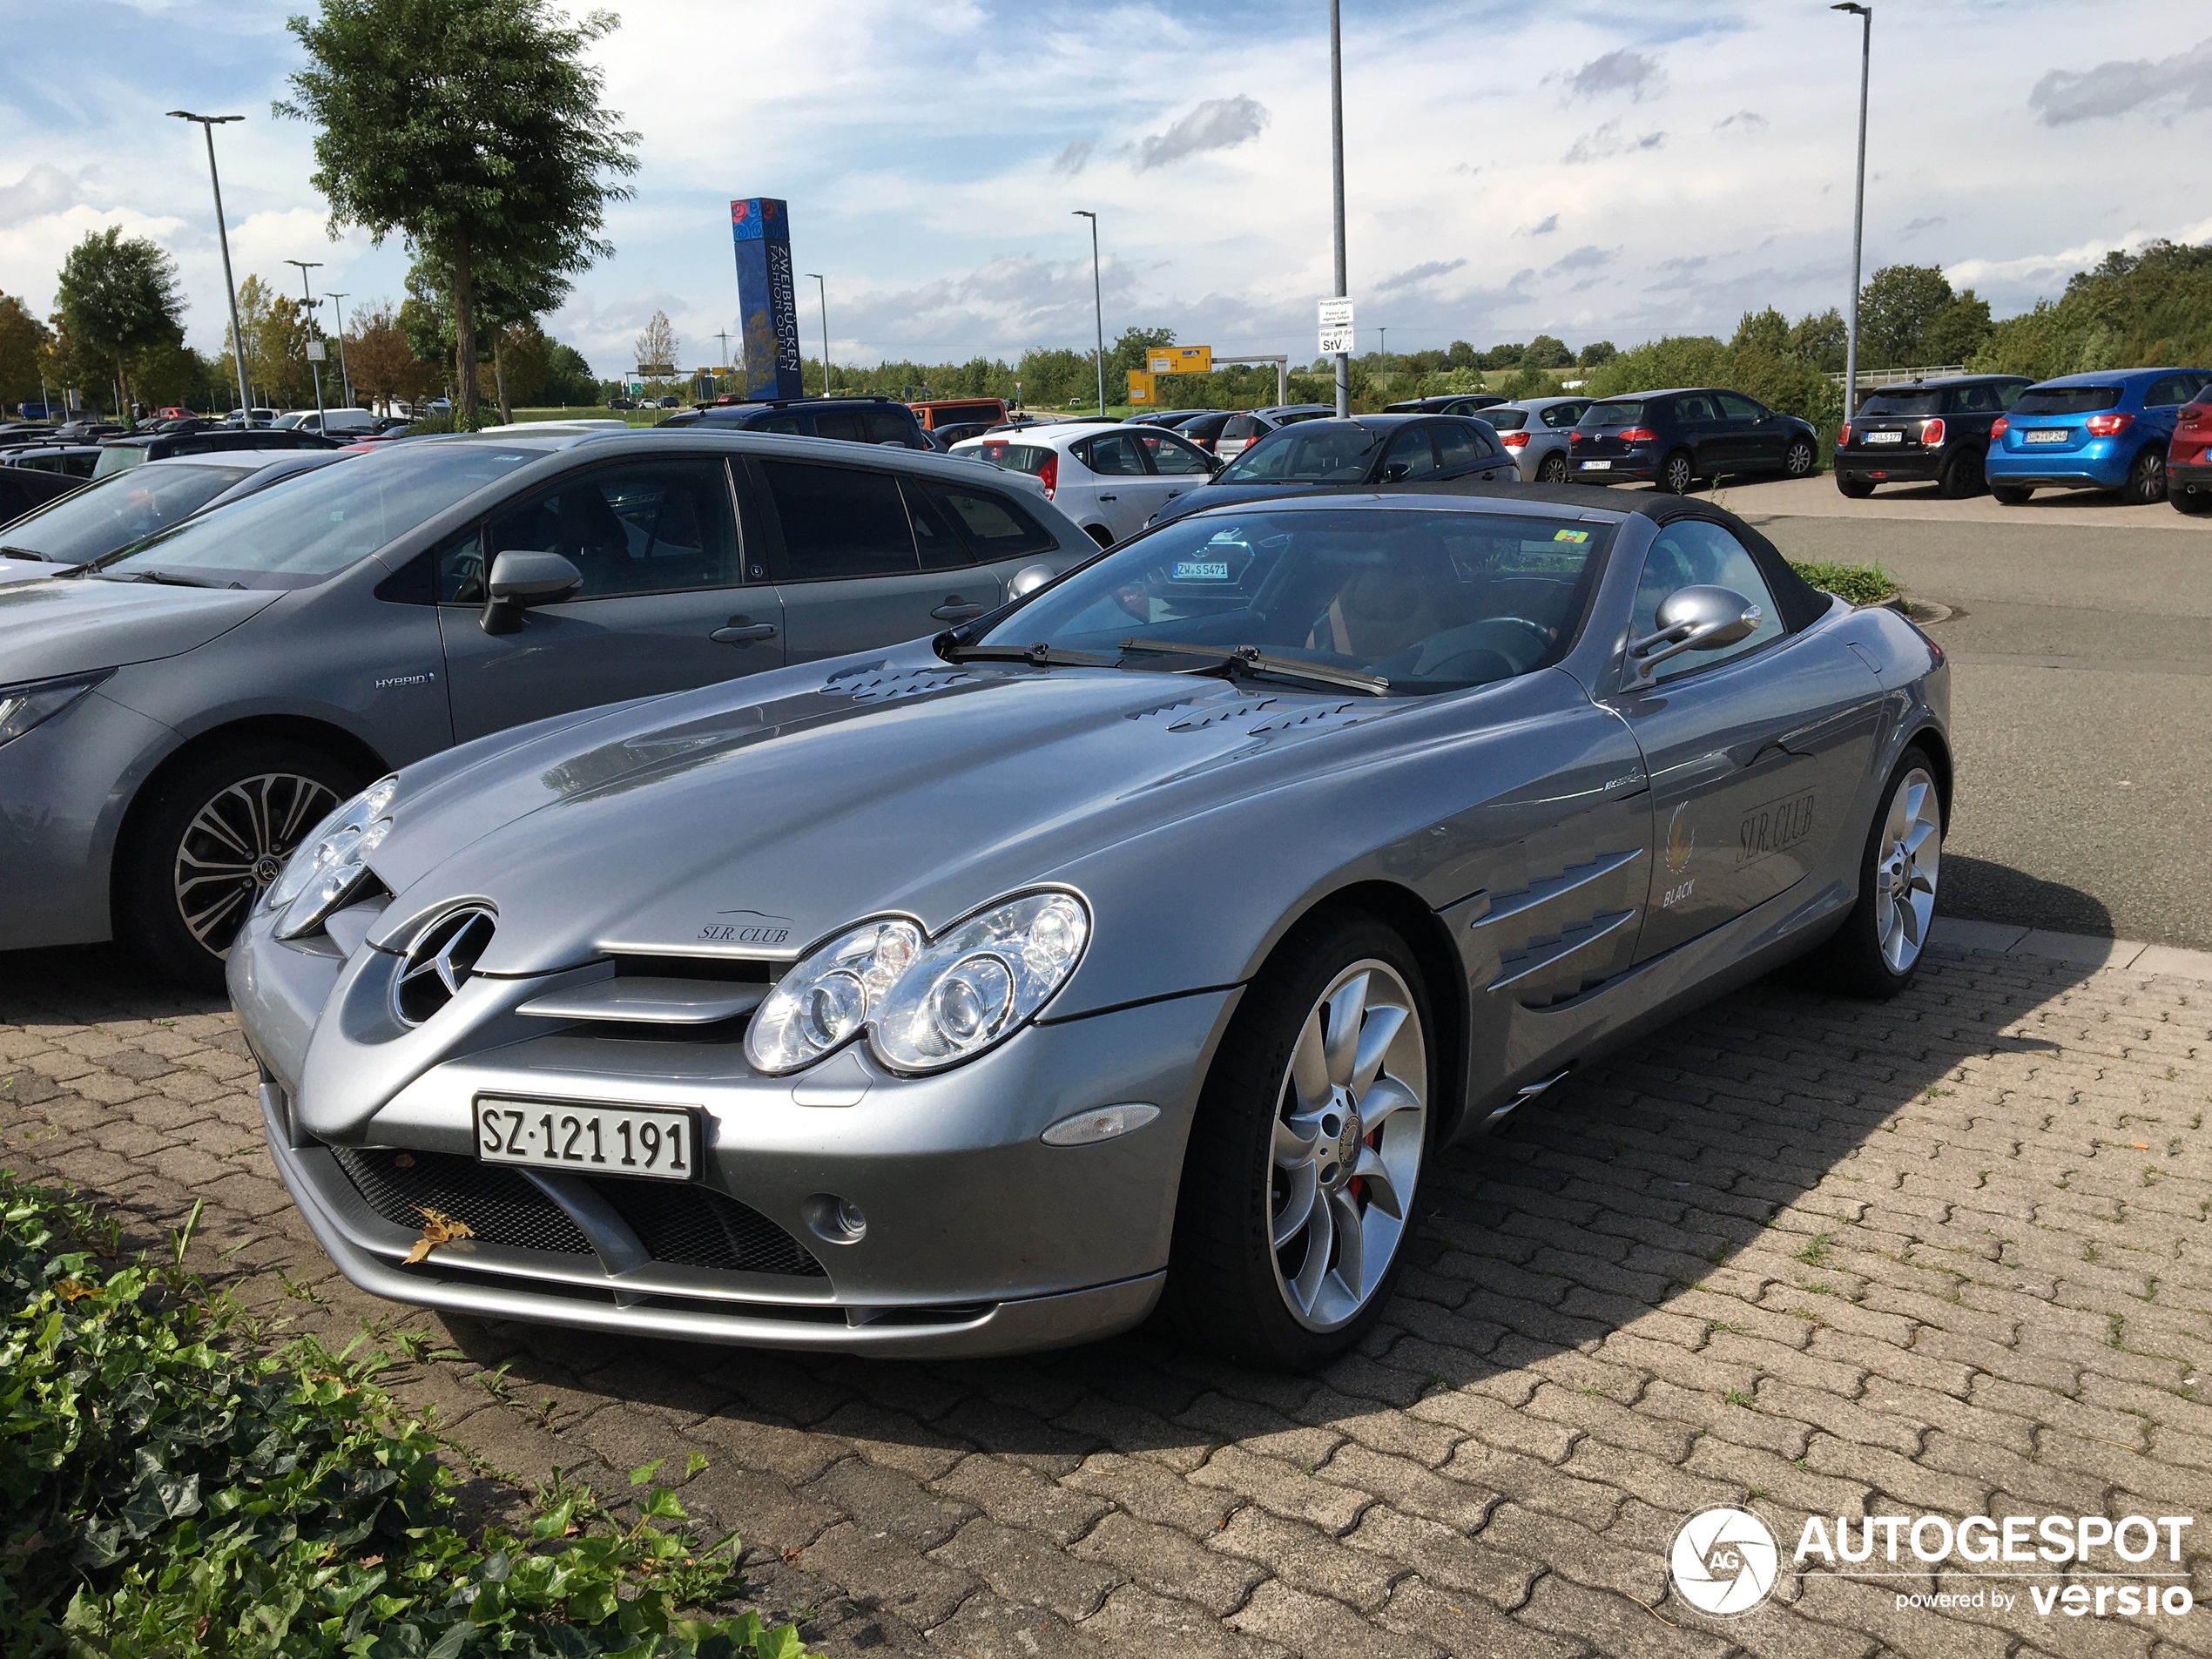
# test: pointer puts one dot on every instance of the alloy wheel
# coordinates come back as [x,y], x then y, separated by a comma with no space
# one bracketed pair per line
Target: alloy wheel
[1676,477]
[1905,867]
[1553,471]
[1798,462]
[1351,1123]
[236,845]
[2150,478]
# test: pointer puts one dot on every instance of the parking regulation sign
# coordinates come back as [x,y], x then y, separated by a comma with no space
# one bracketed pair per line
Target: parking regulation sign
[1336,326]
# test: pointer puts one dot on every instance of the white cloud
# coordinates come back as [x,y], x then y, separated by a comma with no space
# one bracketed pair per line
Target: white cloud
[1619,70]
[2181,82]
[1607,140]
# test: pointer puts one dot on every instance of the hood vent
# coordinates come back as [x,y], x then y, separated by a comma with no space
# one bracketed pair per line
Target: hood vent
[881,682]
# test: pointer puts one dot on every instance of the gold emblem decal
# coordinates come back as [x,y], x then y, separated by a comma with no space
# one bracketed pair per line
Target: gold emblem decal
[1681,840]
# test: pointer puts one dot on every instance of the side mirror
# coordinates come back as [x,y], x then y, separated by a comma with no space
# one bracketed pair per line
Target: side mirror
[1697,618]
[520,580]
[1028,580]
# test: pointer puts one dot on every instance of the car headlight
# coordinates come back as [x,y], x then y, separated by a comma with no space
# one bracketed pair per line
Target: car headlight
[36,701]
[330,863]
[925,1004]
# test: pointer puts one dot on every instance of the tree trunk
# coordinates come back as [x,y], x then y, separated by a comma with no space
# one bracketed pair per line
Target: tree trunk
[499,374]
[464,338]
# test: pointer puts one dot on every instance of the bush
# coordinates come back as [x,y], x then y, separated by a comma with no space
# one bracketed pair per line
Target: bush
[171,1491]
[1863,584]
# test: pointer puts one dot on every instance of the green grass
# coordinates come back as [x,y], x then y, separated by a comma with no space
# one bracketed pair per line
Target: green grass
[1863,584]
[168,1490]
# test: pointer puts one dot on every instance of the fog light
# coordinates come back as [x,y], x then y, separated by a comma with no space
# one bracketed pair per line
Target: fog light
[835,1220]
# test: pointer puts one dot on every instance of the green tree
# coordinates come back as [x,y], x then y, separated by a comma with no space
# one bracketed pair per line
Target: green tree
[1597,352]
[1898,309]
[1819,342]
[568,377]
[22,338]
[118,296]
[1766,331]
[473,128]
[1545,351]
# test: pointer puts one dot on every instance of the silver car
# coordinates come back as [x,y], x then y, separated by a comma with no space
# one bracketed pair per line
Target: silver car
[1534,432]
[1135,946]
[175,717]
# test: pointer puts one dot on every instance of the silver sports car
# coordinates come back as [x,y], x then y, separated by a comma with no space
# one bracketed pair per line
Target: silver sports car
[1132,947]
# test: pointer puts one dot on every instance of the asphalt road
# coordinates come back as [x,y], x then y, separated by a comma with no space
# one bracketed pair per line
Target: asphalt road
[2081,643]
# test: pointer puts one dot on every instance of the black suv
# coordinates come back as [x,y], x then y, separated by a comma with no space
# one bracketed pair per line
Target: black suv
[1918,430]
[854,420]
[1675,437]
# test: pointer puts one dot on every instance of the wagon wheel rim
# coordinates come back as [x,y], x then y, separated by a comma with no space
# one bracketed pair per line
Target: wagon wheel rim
[1351,1123]
[1906,866]
[235,846]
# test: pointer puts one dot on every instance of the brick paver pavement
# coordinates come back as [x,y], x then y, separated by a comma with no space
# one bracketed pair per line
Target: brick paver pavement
[1950,1255]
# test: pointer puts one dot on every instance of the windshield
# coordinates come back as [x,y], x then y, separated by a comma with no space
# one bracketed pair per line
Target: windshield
[1330,455]
[2066,400]
[1913,403]
[118,457]
[1432,601]
[1605,414]
[117,510]
[295,534]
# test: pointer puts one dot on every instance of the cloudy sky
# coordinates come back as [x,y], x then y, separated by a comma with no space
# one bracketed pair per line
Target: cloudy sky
[1584,170]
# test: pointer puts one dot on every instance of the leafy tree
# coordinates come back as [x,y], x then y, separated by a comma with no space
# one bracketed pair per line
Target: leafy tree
[1503,356]
[119,296]
[2128,310]
[383,363]
[1766,331]
[22,337]
[1819,341]
[1897,310]
[656,348]
[1128,352]
[1461,355]
[1597,352]
[568,377]
[473,128]
[1544,351]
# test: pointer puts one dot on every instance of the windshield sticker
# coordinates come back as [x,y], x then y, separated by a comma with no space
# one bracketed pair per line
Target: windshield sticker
[1202,570]
[1570,535]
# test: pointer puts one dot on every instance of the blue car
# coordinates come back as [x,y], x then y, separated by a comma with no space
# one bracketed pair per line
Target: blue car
[2105,430]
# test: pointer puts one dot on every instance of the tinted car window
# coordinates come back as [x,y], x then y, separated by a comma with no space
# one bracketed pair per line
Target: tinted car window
[296,533]
[1433,601]
[2066,400]
[785,423]
[1739,408]
[2175,388]
[1900,403]
[119,511]
[1114,454]
[995,528]
[1331,454]
[1626,412]
[1558,415]
[1507,420]
[1971,400]
[1411,454]
[848,426]
[1694,409]
[1458,445]
[652,527]
[1172,457]
[1691,553]
[1240,426]
[939,545]
[838,522]
[1015,457]
[885,427]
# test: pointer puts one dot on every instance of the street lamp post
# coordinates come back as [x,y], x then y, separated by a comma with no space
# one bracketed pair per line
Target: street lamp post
[822,288]
[306,265]
[207,125]
[345,379]
[1858,202]
[1098,304]
[1336,155]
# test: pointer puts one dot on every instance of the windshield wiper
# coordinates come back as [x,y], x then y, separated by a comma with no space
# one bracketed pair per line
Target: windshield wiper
[22,553]
[167,578]
[1251,659]
[1037,655]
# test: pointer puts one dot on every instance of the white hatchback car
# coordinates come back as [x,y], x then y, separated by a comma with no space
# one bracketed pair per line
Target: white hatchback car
[1108,479]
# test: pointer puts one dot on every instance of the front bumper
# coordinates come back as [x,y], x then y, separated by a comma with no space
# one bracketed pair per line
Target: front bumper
[980,1239]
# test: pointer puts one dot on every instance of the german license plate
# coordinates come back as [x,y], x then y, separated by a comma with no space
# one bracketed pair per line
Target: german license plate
[2044,434]
[1885,438]
[658,1143]
[1597,466]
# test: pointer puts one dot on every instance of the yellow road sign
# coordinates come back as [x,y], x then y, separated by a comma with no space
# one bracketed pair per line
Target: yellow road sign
[1180,360]
[1142,386]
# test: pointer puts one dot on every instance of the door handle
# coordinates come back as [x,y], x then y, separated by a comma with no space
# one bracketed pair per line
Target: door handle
[1110,498]
[741,632]
[956,609]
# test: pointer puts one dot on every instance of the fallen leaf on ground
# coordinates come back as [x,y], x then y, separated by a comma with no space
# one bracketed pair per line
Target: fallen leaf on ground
[438,1228]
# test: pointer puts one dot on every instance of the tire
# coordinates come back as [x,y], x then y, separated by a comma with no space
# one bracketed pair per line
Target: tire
[1677,474]
[2191,501]
[1879,948]
[2011,494]
[1798,460]
[1261,1145]
[2147,478]
[1551,471]
[231,813]
[1961,477]
[1855,488]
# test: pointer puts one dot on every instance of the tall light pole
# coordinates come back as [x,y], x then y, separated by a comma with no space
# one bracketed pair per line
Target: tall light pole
[1098,304]
[207,125]
[306,265]
[339,312]
[1858,203]
[1336,155]
[822,288]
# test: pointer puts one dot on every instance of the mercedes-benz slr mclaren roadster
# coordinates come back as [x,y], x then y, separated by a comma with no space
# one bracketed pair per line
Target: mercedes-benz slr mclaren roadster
[1132,948]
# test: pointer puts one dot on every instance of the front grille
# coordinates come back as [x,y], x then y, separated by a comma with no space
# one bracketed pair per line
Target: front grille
[683,1224]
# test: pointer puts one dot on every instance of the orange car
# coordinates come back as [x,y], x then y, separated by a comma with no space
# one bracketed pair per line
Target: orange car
[959,411]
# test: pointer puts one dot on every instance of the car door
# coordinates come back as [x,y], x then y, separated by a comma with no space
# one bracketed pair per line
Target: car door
[1001,538]
[1464,449]
[1127,491]
[2162,400]
[1754,752]
[664,606]
[846,554]
[1755,435]
[1175,462]
[1408,458]
[1696,423]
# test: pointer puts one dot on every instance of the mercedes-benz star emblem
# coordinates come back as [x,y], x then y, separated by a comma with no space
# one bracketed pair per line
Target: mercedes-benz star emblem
[1725,1560]
[439,962]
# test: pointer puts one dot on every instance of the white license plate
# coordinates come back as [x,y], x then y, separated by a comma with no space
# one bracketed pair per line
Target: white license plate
[1597,466]
[658,1143]
[2044,434]
[1885,438]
